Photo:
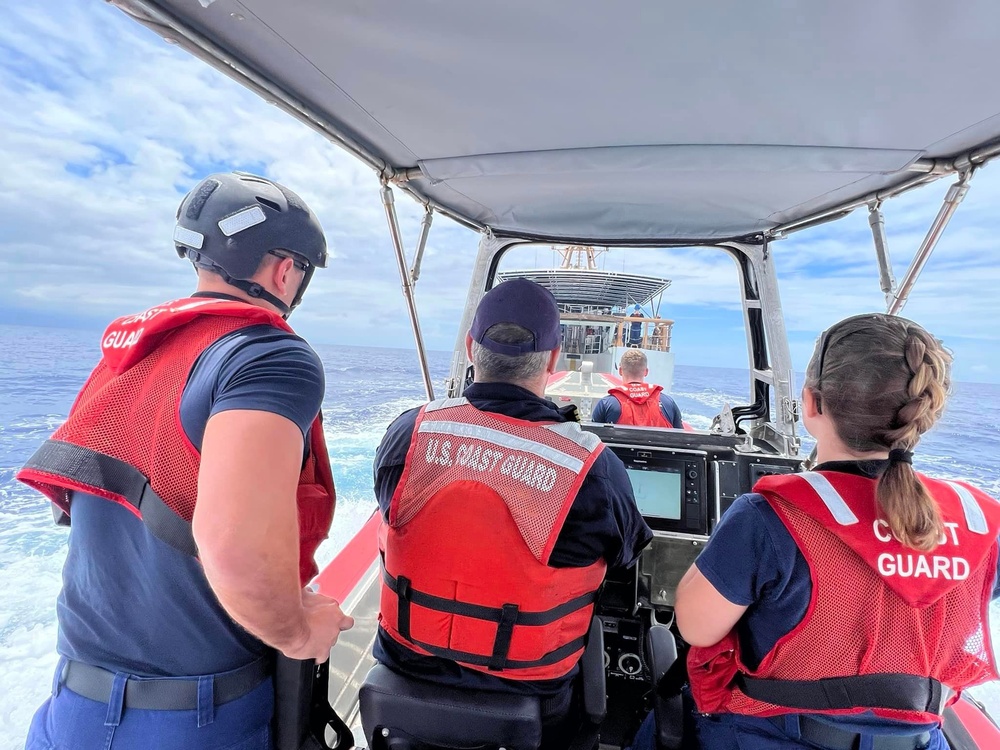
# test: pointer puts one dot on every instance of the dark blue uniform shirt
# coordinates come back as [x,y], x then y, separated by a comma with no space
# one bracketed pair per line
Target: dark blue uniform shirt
[753,561]
[609,410]
[130,602]
[603,522]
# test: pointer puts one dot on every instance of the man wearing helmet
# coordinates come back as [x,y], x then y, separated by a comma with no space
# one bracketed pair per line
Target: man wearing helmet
[194,470]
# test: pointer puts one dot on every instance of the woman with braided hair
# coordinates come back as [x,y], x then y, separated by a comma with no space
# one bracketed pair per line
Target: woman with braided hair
[846,606]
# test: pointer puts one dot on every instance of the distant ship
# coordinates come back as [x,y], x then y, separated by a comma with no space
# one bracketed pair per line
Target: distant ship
[599,321]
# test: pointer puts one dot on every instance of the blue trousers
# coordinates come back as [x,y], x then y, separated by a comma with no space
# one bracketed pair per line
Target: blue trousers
[730,732]
[67,721]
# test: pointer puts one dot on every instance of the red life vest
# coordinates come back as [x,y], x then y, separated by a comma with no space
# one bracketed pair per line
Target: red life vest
[640,404]
[471,526]
[123,438]
[882,619]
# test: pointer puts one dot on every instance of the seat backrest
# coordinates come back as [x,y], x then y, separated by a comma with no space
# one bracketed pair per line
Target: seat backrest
[403,713]
[593,676]
[668,706]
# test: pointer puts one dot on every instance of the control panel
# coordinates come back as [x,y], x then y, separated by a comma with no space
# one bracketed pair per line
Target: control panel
[694,484]
[623,640]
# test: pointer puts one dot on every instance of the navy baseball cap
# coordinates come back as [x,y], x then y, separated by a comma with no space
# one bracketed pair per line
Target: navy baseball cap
[523,303]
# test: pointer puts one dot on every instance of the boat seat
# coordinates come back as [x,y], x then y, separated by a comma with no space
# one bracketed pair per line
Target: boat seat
[668,711]
[404,713]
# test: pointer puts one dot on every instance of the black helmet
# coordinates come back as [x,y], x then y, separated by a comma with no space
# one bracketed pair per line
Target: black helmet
[229,222]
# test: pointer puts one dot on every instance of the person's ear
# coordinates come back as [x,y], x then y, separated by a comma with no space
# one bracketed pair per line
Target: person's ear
[810,403]
[468,345]
[553,360]
[283,275]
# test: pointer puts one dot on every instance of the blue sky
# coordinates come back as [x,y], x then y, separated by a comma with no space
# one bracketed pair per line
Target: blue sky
[105,126]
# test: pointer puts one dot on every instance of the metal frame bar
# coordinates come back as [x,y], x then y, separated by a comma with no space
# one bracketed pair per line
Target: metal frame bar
[956,193]
[764,282]
[389,202]
[887,280]
[491,248]
[425,230]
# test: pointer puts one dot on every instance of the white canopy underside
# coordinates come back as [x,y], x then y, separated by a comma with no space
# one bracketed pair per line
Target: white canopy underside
[584,286]
[624,121]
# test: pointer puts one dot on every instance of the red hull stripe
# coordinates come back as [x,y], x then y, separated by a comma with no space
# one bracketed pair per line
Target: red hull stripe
[976,723]
[338,579]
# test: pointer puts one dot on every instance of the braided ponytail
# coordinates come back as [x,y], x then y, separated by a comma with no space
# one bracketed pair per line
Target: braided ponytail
[909,509]
[885,381]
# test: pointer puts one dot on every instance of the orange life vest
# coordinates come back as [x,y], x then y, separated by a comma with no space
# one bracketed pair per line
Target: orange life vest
[123,439]
[889,629]
[640,404]
[471,526]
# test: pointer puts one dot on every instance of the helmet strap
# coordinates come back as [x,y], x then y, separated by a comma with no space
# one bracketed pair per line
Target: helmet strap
[251,288]
[255,290]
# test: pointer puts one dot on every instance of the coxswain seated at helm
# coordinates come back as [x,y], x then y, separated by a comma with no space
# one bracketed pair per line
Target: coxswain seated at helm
[502,509]
[855,611]
[636,402]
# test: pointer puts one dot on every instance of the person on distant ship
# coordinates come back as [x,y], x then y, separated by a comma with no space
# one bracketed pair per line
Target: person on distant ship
[846,606]
[636,402]
[195,472]
[500,497]
[635,328]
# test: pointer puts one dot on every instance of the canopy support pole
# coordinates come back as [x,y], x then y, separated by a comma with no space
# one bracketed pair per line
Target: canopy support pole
[388,200]
[956,193]
[887,280]
[425,229]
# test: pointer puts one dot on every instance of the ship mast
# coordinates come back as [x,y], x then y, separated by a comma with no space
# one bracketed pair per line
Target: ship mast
[580,256]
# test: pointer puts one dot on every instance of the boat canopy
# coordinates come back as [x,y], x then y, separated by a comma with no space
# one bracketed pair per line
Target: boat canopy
[580,287]
[627,122]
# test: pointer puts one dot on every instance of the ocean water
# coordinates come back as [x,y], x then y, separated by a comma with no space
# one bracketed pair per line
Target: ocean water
[42,369]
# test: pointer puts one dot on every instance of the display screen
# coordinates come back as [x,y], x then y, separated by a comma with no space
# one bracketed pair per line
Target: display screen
[657,493]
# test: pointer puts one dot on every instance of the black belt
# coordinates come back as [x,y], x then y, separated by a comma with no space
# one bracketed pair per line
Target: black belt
[900,692]
[163,694]
[830,737]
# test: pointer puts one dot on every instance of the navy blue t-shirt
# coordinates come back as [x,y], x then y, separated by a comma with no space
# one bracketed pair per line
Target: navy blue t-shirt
[609,410]
[134,604]
[603,522]
[753,561]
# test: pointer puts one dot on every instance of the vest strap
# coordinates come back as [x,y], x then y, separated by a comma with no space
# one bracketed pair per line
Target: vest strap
[505,632]
[552,657]
[107,474]
[900,692]
[405,593]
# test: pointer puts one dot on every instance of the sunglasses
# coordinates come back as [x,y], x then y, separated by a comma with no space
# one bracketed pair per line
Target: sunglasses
[302,265]
[824,343]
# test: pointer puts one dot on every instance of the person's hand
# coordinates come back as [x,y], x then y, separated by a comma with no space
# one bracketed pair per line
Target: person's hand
[324,622]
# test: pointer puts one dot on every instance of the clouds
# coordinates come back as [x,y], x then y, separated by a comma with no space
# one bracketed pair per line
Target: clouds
[110,126]
[105,127]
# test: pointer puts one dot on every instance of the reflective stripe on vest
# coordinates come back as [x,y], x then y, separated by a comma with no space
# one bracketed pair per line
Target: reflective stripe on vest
[975,521]
[974,518]
[840,511]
